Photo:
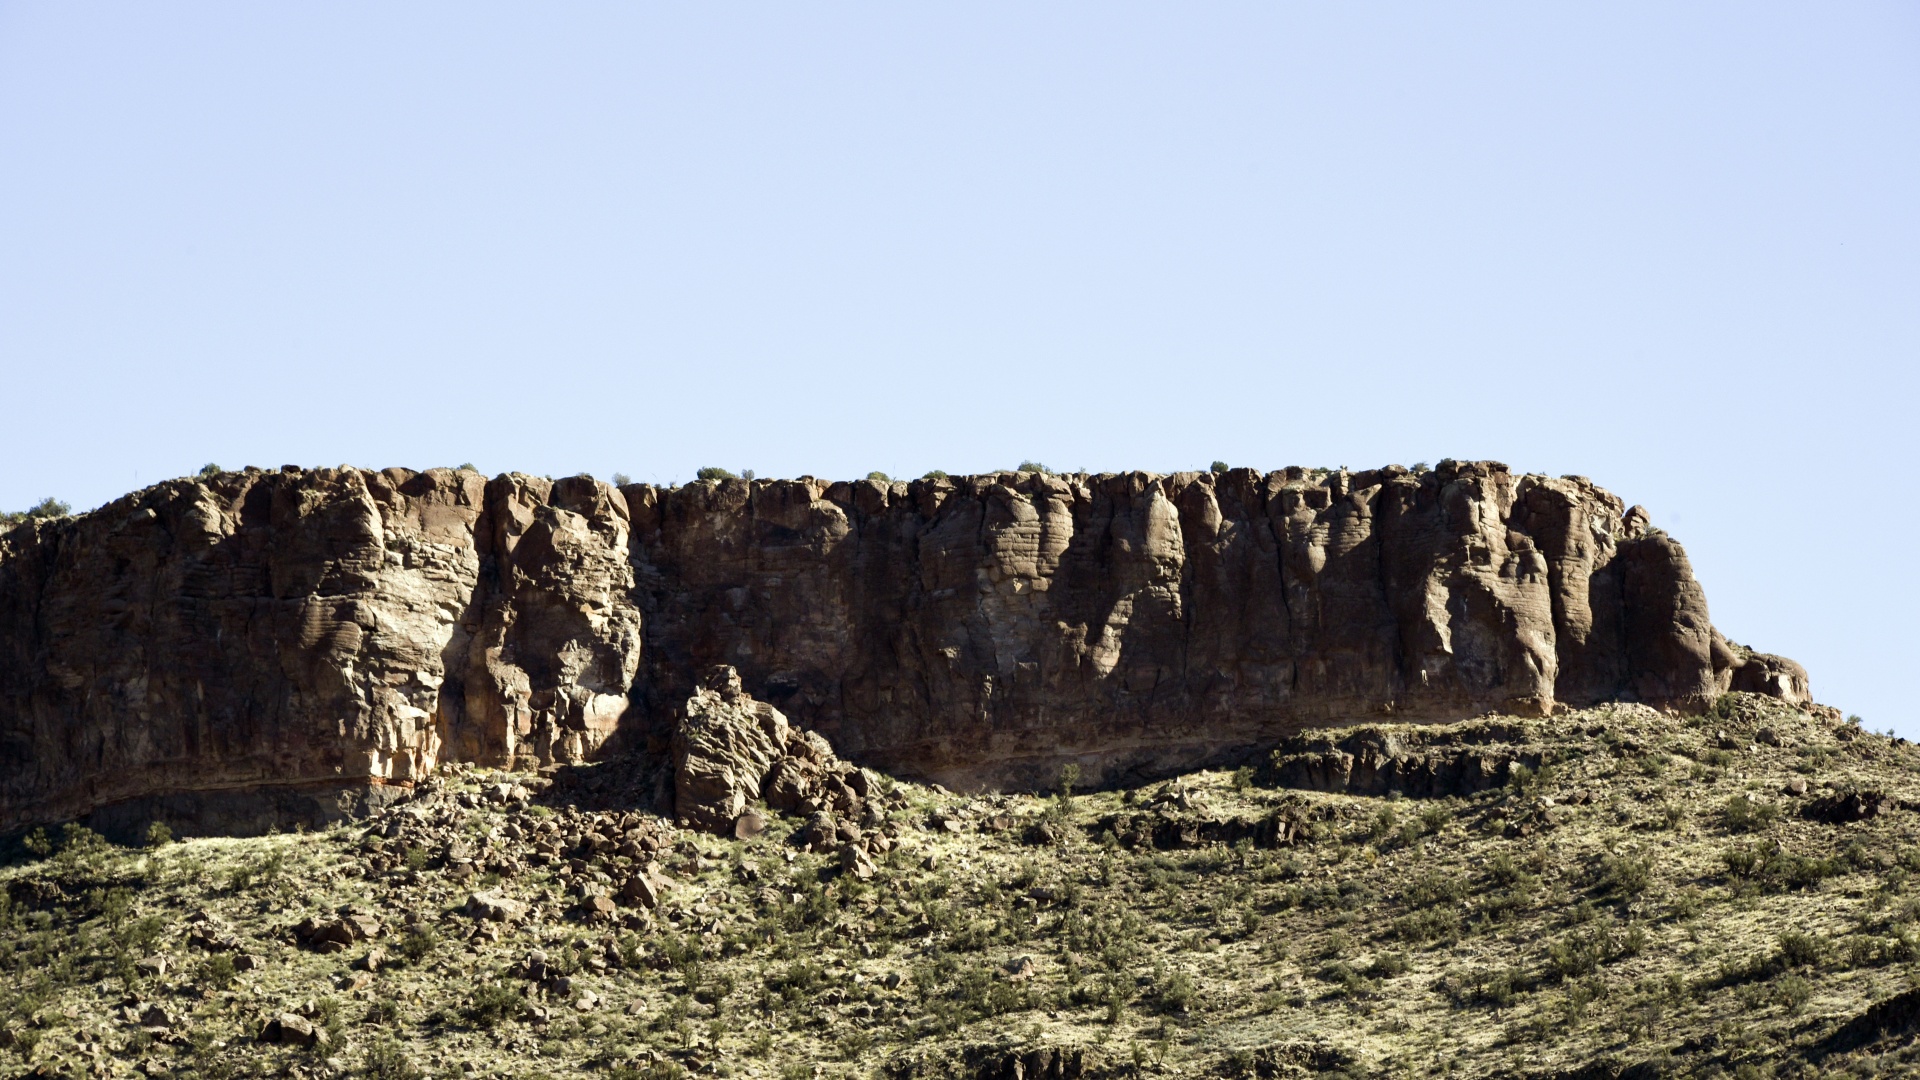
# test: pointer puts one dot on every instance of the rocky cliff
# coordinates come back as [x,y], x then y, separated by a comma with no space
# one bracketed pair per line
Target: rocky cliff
[271,645]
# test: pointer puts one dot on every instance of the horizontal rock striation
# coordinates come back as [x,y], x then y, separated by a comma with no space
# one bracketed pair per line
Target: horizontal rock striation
[329,634]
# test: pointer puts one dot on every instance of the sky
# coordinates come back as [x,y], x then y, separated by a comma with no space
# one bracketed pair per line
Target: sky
[1674,248]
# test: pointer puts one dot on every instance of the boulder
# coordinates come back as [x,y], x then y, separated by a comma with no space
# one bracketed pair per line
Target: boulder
[493,907]
[292,1029]
[723,748]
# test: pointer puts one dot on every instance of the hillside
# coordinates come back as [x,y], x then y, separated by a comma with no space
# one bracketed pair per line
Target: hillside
[1618,891]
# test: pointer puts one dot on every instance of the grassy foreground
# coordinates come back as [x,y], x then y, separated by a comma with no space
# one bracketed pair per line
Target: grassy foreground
[1723,895]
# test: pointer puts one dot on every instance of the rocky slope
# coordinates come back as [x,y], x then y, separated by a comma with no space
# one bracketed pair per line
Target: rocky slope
[1618,892]
[277,647]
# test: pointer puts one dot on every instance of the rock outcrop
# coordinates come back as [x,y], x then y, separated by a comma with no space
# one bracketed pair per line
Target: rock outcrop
[263,647]
[730,751]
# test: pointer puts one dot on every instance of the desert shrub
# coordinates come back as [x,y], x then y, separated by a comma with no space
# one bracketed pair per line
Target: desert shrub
[217,971]
[1174,992]
[1799,950]
[1792,992]
[880,476]
[48,507]
[1388,964]
[1428,924]
[490,1004]
[1743,814]
[1625,875]
[1069,776]
[1436,887]
[416,943]
[387,1060]
[1219,466]
[714,472]
[158,835]
[935,474]
[1033,467]
[1777,871]
[1346,980]
[1483,986]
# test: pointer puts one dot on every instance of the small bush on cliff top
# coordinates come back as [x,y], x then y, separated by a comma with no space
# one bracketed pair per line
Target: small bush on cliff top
[714,472]
[48,507]
[209,471]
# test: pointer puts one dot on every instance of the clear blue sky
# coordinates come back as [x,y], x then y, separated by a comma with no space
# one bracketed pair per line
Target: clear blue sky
[1674,247]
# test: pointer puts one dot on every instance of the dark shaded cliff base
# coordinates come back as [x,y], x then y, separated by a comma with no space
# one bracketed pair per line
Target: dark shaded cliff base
[306,628]
[1615,892]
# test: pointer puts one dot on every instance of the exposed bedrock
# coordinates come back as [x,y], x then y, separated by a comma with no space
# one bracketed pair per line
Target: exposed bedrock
[338,629]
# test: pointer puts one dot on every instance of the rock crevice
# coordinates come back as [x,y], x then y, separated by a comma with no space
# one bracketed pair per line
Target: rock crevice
[302,630]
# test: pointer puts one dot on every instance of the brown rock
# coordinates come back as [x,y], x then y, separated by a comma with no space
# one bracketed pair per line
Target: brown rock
[227,641]
[596,908]
[818,833]
[645,889]
[749,825]
[723,748]
[292,1029]
[855,861]
[494,907]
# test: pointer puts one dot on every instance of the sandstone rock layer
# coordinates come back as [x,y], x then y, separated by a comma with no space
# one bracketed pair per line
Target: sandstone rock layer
[338,632]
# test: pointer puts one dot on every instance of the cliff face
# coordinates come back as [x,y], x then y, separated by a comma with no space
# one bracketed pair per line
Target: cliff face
[266,645]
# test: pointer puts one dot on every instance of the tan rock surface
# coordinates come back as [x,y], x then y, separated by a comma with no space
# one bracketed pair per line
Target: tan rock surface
[272,647]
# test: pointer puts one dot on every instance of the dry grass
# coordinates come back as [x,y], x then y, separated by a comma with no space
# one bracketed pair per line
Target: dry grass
[1648,897]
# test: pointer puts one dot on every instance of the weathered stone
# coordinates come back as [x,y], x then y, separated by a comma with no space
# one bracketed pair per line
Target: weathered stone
[646,888]
[723,748]
[268,648]
[854,860]
[494,907]
[818,832]
[597,907]
[749,825]
[292,1029]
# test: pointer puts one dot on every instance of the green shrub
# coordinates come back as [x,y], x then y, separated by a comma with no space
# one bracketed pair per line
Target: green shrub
[1625,875]
[387,1060]
[1388,964]
[935,474]
[880,476]
[1219,466]
[209,471]
[492,1003]
[1033,467]
[158,835]
[714,472]
[1175,992]
[1743,814]
[1799,950]
[416,943]
[1069,776]
[1436,887]
[1429,924]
